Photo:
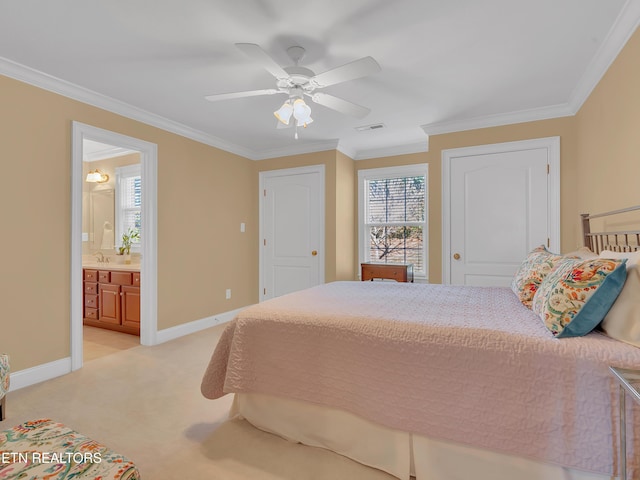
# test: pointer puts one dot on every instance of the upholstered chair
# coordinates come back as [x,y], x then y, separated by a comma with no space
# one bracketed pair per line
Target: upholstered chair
[4,383]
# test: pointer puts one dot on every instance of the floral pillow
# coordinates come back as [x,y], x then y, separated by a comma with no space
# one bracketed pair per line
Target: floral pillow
[574,298]
[532,271]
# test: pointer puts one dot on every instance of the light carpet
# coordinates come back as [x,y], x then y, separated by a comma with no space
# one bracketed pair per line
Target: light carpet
[145,403]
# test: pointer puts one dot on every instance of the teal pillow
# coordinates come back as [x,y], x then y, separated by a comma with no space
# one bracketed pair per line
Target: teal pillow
[574,298]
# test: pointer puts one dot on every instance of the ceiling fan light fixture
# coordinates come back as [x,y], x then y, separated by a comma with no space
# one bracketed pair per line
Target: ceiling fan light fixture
[301,112]
[283,114]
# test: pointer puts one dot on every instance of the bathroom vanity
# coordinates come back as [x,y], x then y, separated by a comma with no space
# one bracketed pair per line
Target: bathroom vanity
[112,297]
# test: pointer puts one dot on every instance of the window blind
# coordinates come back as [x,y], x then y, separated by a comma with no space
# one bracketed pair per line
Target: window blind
[395,218]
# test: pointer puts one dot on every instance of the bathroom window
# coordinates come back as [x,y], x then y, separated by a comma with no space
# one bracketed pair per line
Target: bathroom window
[128,202]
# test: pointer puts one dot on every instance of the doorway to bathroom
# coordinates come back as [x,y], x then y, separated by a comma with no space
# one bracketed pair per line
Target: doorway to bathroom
[111,233]
[114,195]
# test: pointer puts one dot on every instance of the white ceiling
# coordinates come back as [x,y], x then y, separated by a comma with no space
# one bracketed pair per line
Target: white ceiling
[447,65]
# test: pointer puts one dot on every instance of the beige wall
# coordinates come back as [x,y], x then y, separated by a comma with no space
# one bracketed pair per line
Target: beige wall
[608,139]
[203,195]
[346,219]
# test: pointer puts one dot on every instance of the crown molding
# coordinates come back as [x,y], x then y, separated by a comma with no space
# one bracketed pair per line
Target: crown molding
[106,153]
[618,36]
[521,116]
[346,150]
[70,90]
[420,147]
[297,149]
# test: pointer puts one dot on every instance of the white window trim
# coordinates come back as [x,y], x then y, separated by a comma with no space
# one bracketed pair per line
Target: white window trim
[391,172]
[126,171]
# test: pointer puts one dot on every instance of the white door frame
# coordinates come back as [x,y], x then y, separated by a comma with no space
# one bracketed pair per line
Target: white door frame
[148,264]
[261,184]
[552,144]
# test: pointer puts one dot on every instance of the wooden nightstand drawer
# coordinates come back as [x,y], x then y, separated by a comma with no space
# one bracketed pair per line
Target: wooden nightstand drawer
[399,273]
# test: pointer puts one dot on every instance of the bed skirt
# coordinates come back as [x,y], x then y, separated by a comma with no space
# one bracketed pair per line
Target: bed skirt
[398,453]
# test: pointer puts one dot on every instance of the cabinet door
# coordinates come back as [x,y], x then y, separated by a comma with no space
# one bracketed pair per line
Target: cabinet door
[131,306]
[110,304]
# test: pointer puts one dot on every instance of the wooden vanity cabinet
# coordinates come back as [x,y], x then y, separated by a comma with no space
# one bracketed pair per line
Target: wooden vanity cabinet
[112,300]
[131,307]
[110,303]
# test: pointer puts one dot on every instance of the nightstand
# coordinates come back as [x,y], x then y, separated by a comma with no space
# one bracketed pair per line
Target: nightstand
[629,381]
[399,273]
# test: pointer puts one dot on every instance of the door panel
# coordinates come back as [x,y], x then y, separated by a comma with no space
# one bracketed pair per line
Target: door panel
[293,231]
[110,304]
[131,306]
[498,211]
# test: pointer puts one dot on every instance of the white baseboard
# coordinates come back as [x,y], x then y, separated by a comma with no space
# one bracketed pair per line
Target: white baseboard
[195,326]
[47,371]
[40,373]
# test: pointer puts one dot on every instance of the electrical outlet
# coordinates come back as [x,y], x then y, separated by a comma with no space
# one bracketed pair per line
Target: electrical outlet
[228,294]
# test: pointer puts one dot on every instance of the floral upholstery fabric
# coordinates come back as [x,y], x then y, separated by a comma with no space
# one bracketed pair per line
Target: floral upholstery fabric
[4,375]
[43,449]
[574,298]
[532,271]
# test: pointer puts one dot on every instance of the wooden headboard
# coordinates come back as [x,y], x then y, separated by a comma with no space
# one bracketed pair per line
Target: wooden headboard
[622,241]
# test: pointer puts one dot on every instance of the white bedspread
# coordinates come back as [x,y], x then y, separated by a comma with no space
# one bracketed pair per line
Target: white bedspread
[466,364]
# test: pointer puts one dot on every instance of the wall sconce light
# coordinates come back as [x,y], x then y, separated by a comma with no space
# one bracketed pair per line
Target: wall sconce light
[96,176]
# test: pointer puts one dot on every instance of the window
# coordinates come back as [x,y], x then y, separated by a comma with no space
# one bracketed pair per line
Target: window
[393,216]
[128,202]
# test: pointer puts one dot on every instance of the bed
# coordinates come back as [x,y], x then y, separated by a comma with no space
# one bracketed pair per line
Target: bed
[436,381]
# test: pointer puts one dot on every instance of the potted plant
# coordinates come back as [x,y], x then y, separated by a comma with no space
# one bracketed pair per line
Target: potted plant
[131,235]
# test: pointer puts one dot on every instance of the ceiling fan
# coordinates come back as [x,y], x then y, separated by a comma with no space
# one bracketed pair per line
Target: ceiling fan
[298,82]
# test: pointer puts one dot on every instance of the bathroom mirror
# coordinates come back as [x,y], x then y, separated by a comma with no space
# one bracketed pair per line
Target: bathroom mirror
[98,198]
[102,220]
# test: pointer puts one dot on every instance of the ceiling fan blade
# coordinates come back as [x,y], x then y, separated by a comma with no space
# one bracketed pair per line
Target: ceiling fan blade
[263,58]
[349,71]
[249,93]
[340,105]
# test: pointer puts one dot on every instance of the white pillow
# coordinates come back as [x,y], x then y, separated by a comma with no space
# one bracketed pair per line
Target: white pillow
[622,322]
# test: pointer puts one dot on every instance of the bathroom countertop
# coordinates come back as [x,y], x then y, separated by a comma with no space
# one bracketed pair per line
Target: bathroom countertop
[131,267]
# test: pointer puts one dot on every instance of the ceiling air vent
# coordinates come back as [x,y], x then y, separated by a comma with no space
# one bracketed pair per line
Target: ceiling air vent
[366,128]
